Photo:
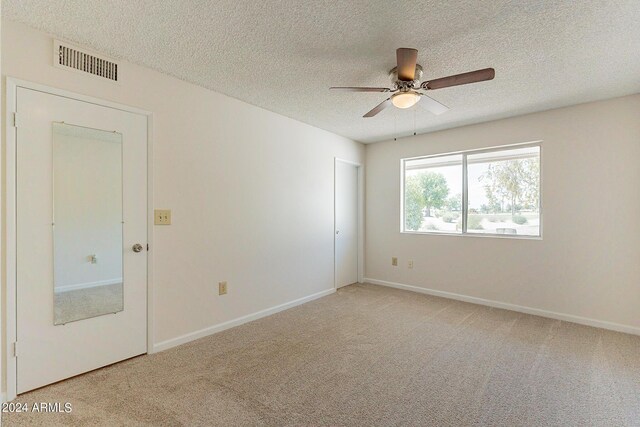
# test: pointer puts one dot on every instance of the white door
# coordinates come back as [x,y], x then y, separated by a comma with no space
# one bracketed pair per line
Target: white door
[346,217]
[81,198]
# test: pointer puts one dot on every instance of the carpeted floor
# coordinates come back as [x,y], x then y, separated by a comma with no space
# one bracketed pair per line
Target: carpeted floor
[366,356]
[85,303]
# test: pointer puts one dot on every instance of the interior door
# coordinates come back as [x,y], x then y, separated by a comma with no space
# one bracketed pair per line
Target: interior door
[81,197]
[346,217]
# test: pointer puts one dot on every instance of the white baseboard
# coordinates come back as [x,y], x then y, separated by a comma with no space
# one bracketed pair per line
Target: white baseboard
[513,307]
[173,342]
[67,288]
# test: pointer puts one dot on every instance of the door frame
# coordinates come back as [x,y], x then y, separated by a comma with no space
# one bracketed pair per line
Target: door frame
[360,230]
[10,305]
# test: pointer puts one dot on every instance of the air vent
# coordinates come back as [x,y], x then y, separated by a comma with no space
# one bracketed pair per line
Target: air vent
[69,57]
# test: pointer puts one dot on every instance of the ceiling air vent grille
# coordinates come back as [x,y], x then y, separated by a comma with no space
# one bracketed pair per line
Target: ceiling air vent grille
[69,57]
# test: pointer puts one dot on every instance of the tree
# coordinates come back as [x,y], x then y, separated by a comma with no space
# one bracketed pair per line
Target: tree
[516,182]
[435,190]
[413,203]
[454,203]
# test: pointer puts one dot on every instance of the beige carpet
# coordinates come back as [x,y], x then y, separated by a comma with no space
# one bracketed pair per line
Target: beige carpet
[85,303]
[368,355]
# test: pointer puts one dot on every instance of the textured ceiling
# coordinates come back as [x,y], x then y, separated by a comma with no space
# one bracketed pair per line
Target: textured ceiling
[284,55]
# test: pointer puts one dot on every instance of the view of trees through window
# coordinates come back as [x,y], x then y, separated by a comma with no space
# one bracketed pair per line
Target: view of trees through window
[433,194]
[503,189]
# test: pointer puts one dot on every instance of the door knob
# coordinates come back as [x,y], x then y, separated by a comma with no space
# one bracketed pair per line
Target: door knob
[137,247]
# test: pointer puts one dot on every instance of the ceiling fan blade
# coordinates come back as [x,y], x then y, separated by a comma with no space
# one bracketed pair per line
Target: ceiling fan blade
[432,105]
[361,89]
[407,59]
[460,79]
[384,104]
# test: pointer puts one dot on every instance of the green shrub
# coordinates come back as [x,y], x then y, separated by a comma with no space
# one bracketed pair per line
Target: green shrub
[519,219]
[449,217]
[432,226]
[474,222]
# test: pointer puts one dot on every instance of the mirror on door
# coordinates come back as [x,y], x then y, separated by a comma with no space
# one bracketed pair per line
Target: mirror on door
[87,223]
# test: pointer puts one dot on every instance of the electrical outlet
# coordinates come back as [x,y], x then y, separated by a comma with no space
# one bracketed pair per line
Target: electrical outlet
[410,263]
[162,217]
[394,261]
[222,288]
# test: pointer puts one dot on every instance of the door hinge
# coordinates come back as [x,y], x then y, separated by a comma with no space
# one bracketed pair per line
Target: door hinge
[17,119]
[15,349]
[147,246]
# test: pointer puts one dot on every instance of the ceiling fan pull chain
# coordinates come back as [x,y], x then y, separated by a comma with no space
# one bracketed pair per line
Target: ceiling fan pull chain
[395,125]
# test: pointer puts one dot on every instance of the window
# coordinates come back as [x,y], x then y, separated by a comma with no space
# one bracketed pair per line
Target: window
[494,192]
[433,194]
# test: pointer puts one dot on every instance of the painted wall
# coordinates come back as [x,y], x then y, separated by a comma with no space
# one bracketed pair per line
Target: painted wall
[588,262]
[251,191]
[87,192]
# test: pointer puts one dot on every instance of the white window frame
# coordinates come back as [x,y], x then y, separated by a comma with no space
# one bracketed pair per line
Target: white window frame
[465,192]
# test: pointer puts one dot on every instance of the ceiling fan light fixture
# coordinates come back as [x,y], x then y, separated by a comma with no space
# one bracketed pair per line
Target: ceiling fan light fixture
[405,99]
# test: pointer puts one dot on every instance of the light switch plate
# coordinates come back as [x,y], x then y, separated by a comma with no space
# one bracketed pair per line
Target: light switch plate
[162,217]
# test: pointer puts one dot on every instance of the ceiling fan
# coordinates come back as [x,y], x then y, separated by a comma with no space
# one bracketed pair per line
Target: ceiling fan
[406,79]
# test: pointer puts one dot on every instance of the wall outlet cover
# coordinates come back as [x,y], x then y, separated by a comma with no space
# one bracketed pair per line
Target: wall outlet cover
[222,288]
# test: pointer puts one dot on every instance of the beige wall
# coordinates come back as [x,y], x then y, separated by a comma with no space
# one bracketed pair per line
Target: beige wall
[588,262]
[251,191]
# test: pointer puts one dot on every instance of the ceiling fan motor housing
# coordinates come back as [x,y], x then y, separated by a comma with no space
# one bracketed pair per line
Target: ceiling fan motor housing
[406,84]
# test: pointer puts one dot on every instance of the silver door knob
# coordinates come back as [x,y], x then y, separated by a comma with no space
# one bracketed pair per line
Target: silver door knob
[137,247]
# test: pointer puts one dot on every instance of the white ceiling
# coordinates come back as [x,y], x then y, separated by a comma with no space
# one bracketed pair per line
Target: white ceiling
[284,55]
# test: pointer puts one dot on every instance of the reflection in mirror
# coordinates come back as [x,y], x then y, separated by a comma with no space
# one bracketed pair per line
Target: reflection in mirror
[87,217]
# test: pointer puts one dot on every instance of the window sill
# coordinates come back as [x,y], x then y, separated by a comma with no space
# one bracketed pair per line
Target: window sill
[488,235]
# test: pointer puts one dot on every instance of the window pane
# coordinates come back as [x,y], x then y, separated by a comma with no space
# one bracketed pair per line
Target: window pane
[433,194]
[504,192]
